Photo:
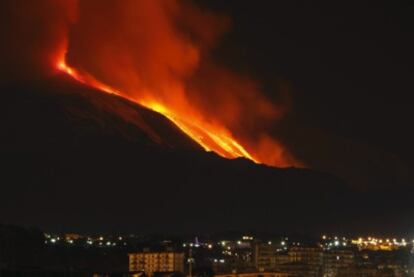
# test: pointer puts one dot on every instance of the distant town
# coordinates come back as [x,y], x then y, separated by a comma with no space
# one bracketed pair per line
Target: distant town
[28,252]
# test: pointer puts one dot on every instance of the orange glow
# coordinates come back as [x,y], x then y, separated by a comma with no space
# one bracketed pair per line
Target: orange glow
[209,137]
[156,53]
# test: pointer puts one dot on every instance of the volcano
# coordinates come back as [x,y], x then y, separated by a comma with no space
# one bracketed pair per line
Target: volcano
[83,118]
[74,157]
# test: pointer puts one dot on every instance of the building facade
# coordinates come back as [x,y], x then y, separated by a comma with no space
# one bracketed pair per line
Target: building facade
[264,255]
[336,261]
[152,262]
[254,274]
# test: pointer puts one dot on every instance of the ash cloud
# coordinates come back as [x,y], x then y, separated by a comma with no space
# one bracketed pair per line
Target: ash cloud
[151,50]
[160,51]
[34,33]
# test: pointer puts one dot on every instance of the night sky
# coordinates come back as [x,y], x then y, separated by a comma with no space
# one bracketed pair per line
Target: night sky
[349,68]
[342,70]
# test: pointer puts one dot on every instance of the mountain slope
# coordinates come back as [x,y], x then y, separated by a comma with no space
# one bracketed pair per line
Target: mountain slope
[63,113]
[75,158]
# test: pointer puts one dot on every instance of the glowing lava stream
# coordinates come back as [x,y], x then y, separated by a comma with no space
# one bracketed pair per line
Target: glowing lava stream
[220,141]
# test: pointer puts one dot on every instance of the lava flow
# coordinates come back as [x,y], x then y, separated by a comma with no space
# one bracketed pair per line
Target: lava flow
[213,139]
[155,53]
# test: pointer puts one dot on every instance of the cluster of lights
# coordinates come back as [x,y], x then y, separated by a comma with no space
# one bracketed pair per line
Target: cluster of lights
[225,244]
[372,243]
[380,243]
[77,239]
[334,242]
[197,245]
[226,247]
[52,239]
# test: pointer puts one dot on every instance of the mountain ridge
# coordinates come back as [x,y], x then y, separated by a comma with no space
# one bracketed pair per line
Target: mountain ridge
[77,158]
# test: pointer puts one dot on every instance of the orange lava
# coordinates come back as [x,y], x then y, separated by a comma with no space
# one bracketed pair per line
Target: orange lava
[212,138]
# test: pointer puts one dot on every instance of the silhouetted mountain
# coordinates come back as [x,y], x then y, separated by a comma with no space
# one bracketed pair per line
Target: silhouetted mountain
[74,158]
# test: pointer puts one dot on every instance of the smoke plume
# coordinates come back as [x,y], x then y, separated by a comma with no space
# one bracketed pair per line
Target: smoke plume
[34,34]
[155,52]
